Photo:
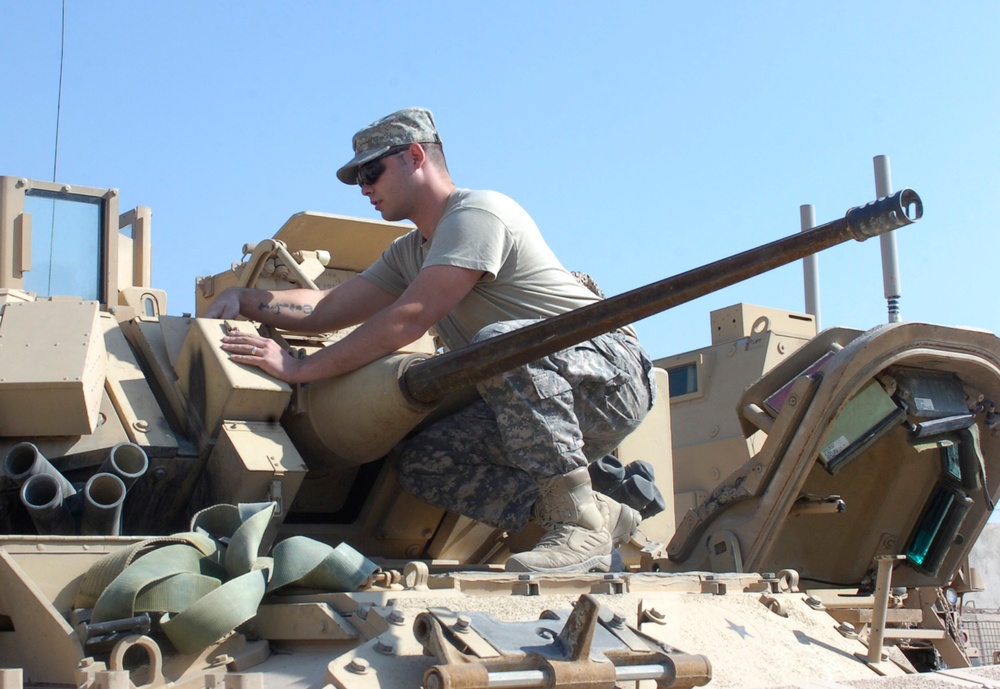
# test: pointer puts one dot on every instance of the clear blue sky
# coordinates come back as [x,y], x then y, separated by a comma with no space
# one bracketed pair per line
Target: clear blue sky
[646,138]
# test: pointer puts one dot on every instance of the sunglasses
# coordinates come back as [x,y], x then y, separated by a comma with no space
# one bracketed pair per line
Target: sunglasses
[373,169]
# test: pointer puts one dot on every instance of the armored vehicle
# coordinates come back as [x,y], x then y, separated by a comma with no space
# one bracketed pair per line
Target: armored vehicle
[172,518]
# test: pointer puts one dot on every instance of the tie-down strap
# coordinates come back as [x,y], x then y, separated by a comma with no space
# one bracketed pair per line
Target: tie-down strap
[207,582]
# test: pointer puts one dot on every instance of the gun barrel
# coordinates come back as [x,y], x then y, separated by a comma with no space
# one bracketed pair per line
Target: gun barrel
[432,379]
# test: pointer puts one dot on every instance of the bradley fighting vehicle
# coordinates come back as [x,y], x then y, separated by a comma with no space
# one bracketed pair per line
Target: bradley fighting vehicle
[172,518]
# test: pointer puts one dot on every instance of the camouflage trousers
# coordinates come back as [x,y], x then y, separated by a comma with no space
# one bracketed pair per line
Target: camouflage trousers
[534,422]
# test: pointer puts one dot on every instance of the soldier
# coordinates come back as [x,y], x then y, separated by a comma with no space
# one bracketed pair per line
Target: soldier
[475,266]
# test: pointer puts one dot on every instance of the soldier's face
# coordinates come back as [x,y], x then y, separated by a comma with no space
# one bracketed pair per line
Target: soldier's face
[387,190]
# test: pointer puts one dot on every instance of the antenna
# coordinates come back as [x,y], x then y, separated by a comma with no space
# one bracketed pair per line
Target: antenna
[890,259]
[62,55]
[810,265]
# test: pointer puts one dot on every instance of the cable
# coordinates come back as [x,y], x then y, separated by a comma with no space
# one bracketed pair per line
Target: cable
[62,55]
[55,154]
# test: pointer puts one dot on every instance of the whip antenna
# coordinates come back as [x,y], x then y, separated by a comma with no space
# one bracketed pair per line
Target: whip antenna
[62,55]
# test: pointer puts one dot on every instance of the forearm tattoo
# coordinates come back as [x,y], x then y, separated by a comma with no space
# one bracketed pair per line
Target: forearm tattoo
[277,307]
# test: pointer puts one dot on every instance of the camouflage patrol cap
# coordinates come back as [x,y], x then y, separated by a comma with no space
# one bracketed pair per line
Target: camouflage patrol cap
[406,126]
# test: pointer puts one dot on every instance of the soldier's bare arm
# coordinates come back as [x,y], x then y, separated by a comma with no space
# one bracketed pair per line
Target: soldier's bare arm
[304,309]
[435,291]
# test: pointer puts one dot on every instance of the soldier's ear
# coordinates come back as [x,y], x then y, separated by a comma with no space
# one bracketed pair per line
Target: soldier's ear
[417,155]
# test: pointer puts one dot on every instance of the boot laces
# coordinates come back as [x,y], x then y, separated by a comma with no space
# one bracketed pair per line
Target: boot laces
[556,536]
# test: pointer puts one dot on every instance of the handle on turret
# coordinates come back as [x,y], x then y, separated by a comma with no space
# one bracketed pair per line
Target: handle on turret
[432,379]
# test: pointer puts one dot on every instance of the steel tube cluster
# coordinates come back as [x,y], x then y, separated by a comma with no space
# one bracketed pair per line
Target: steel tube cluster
[53,502]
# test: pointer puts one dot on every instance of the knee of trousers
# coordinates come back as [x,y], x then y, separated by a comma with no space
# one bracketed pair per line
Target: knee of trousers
[406,465]
[494,329]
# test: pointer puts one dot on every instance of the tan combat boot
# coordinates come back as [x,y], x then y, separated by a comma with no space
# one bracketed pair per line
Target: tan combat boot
[620,520]
[577,538]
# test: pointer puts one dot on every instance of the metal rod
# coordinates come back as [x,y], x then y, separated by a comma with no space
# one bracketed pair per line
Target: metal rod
[810,265]
[430,380]
[12,678]
[518,679]
[140,623]
[538,679]
[890,257]
[880,606]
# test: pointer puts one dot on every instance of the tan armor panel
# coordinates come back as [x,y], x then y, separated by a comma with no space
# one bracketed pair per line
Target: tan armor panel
[52,368]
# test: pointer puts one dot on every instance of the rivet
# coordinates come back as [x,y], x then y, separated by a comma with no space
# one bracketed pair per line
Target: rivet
[655,615]
[847,630]
[462,624]
[397,617]
[385,649]
[358,666]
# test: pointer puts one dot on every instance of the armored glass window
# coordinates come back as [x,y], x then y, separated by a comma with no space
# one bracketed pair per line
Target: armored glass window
[683,380]
[66,246]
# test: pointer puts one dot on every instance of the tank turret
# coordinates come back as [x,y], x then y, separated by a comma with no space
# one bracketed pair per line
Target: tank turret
[165,503]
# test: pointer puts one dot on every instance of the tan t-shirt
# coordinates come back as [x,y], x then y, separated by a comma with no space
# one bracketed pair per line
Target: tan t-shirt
[485,230]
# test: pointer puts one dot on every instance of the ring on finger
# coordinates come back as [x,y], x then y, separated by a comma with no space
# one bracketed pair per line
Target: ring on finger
[253,351]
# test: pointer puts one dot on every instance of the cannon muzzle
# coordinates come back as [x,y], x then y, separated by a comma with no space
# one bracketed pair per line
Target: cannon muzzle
[432,379]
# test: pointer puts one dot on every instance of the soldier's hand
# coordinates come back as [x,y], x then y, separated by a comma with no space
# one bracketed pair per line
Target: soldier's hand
[226,305]
[263,353]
